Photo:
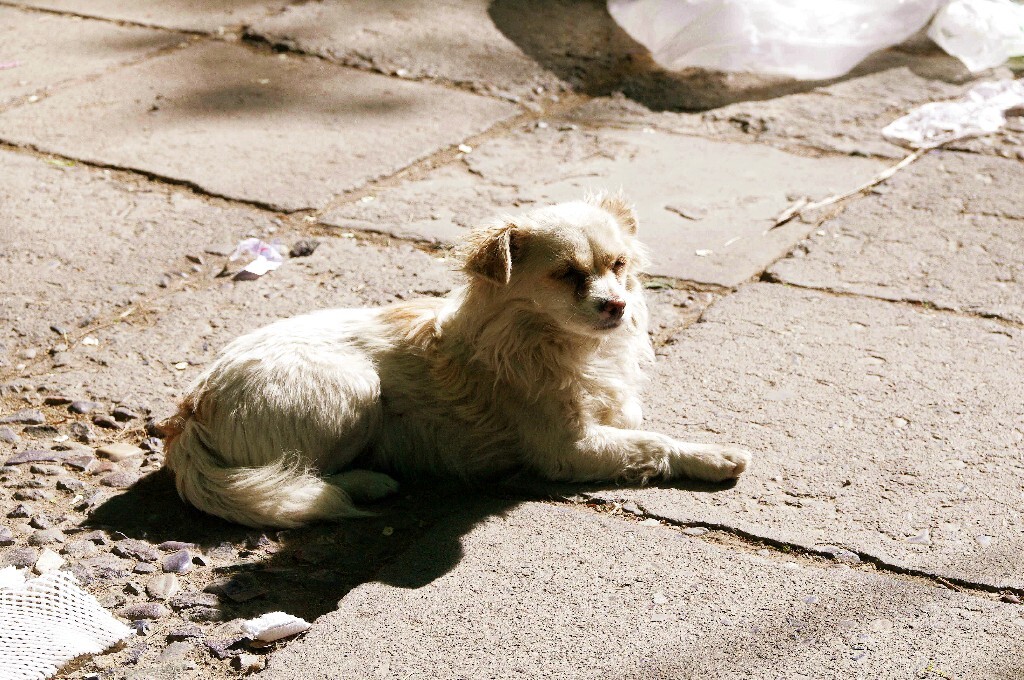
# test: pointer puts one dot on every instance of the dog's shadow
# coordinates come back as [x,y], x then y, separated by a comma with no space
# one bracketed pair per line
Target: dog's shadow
[305,572]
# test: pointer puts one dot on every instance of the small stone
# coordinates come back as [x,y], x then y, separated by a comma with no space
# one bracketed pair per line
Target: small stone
[79,548]
[48,561]
[175,652]
[98,537]
[19,511]
[841,554]
[983,540]
[41,522]
[304,248]
[31,495]
[6,537]
[247,663]
[36,456]
[82,432]
[71,484]
[89,502]
[152,444]
[175,545]
[659,598]
[46,537]
[48,470]
[121,479]
[141,627]
[185,633]
[190,600]
[107,422]
[106,567]
[82,462]
[145,610]
[632,508]
[124,414]
[162,586]
[59,329]
[40,431]
[1010,597]
[83,407]
[221,648]
[57,400]
[19,557]
[695,531]
[133,589]
[204,614]
[135,549]
[179,562]
[119,451]
[25,417]
[9,436]
[144,568]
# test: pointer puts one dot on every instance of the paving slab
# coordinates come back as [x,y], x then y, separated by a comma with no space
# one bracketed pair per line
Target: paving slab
[877,427]
[845,117]
[454,40]
[275,129]
[705,206]
[918,240]
[80,243]
[41,51]
[153,355]
[189,15]
[541,591]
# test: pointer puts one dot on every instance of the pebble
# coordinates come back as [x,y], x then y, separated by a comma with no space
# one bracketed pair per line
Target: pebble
[204,614]
[41,522]
[46,537]
[133,589]
[185,633]
[48,470]
[19,511]
[124,414]
[48,561]
[136,549]
[119,451]
[923,538]
[82,432]
[79,548]
[121,479]
[106,567]
[71,484]
[6,537]
[247,663]
[176,651]
[107,422]
[190,600]
[83,462]
[24,417]
[9,436]
[152,444]
[162,586]
[144,568]
[221,648]
[59,329]
[57,400]
[36,456]
[83,407]
[89,502]
[304,248]
[983,540]
[179,562]
[145,610]
[40,431]
[175,545]
[141,627]
[19,557]
[31,495]
[841,554]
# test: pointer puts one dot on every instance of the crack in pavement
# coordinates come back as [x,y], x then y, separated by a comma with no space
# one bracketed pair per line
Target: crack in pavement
[731,537]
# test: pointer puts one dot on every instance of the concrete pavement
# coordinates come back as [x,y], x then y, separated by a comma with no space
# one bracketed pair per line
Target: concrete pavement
[870,354]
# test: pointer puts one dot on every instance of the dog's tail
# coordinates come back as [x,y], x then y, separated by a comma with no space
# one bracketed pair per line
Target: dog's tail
[281,494]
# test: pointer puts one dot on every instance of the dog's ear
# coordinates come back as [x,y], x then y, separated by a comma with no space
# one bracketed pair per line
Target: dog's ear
[490,251]
[618,207]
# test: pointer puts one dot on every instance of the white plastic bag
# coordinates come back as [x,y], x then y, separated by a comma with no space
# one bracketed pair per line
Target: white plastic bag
[981,33]
[804,39]
[978,112]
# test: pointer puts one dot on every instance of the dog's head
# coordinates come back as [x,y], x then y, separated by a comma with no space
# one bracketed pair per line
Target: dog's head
[577,262]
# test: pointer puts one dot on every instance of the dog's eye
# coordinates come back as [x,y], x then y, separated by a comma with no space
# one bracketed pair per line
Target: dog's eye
[619,265]
[572,276]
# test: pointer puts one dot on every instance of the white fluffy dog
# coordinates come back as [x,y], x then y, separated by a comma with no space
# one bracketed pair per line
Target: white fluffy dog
[534,364]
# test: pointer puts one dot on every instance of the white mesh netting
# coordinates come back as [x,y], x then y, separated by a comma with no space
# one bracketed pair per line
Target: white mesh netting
[48,621]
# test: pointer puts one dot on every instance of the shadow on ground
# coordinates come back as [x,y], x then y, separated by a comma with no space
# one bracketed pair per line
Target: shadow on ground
[580,43]
[305,572]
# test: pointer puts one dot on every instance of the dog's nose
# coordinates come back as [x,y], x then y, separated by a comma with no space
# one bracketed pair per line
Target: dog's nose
[613,308]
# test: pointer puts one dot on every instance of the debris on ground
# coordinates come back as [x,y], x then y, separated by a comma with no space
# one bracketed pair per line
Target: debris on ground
[268,258]
[274,626]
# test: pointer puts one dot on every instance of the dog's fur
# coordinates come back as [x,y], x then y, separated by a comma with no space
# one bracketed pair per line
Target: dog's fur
[535,364]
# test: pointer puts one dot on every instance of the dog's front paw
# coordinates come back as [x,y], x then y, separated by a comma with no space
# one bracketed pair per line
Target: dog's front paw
[715,462]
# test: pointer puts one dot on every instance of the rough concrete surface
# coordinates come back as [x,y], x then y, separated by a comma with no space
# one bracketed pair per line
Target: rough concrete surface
[556,592]
[188,15]
[706,206]
[875,427]
[878,533]
[961,250]
[41,50]
[276,129]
